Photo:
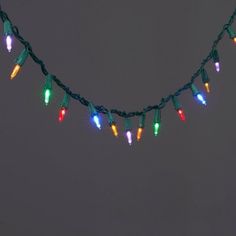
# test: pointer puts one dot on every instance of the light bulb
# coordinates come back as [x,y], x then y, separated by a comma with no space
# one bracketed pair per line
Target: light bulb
[9,43]
[129,136]
[62,114]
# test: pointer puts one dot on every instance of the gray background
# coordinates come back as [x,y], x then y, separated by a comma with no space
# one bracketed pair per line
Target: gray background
[71,179]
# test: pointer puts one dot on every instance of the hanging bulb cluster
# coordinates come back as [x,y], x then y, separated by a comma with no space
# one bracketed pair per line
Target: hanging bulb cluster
[97,111]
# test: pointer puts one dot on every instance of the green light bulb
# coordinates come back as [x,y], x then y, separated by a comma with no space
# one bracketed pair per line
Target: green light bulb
[48,89]
[47,96]
[156,127]
[156,121]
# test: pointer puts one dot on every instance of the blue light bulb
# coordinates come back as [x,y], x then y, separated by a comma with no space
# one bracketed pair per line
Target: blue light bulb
[97,121]
[201,99]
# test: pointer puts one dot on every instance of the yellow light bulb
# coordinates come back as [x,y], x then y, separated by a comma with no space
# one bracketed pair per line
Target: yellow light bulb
[234,39]
[139,133]
[114,129]
[15,71]
[207,86]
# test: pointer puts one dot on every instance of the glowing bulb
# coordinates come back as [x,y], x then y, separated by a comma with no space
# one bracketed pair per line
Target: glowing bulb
[181,114]
[216,60]
[15,71]
[97,121]
[198,95]
[8,33]
[9,43]
[140,130]
[64,107]
[205,80]
[48,91]
[94,115]
[20,62]
[112,124]
[207,86]
[139,133]
[62,114]
[156,127]
[47,96]
[232,33]
[178,108]
[217,66]
[156,121]
[129,136]
[114,130]
[201,99]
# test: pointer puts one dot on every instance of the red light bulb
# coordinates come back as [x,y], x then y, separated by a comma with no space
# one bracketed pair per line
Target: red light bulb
[62,114]
[181,114]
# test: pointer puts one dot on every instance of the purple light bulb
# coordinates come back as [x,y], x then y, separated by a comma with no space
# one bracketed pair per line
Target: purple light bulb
[217,66]
[9,43]
[129,137]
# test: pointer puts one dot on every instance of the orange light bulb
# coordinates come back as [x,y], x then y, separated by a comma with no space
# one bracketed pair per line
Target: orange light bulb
[207,86]
[114,130]
[139,133]
[15,71]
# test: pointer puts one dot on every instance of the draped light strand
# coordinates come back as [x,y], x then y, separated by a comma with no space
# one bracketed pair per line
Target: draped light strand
[11,33]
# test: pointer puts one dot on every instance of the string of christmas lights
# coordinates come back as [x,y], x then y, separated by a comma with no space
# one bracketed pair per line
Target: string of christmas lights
[11,32]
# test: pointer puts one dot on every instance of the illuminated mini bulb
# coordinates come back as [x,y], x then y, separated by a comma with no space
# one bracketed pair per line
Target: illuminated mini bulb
[114,130]
[19,63]
[232,34]
[216,60]
[178,108]
[8,34]
[207,86]
[15,71]
[94,115]
[141,126]
[129,137]
[205,80]
[128,131]
[9,43]
[64,107]
[198,95]
[48,89]
[62,114]
[156,122]
[112,124]
[181,114]
[47,95]
[97,121]
[139,133]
